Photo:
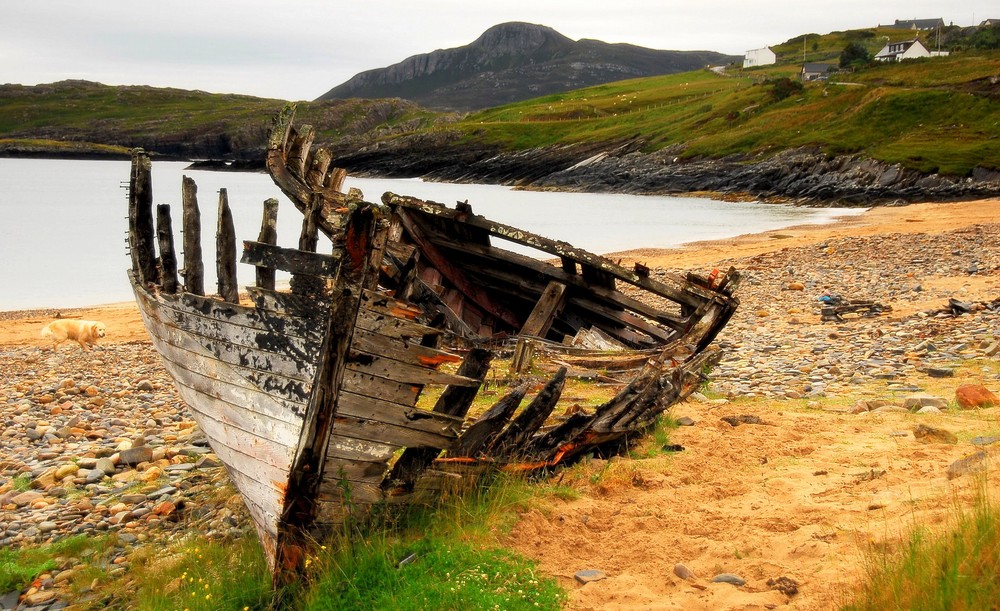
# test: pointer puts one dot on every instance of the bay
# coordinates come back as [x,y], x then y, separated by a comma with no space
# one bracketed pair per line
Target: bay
[64,225]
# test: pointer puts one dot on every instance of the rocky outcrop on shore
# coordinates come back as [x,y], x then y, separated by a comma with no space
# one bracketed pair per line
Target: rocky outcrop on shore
[804,175]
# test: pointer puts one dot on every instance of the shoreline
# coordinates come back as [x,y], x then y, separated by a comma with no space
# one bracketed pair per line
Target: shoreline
[21,327]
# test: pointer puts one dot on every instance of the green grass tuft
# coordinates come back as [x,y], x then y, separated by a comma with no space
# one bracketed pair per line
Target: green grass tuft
[952,570]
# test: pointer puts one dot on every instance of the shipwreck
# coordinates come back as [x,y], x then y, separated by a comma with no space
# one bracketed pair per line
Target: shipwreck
[316,397]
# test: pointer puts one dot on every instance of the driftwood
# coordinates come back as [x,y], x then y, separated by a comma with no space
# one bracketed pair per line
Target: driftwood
[856,307]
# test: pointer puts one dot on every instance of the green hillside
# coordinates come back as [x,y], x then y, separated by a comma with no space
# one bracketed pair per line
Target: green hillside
[934,115]
[78,115]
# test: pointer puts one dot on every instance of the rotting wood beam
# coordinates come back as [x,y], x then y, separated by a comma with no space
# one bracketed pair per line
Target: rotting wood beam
[559,275]
[290,260]
[268,235]
[141,235]
[168,260]
[684,292]
[508,444]
[225,248]
[455,274]
[487,427]
[194,266]
[454,402]
[544,312]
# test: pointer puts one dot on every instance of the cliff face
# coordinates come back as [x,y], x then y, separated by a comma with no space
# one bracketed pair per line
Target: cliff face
[512,62]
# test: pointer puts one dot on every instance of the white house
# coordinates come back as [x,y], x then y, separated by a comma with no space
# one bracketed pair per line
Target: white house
[759,57]
[898,51]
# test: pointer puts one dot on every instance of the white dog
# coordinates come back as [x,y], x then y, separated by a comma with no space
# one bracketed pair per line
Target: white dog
[83,331]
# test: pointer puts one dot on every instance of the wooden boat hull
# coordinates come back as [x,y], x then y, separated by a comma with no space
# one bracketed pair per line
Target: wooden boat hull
[311,396]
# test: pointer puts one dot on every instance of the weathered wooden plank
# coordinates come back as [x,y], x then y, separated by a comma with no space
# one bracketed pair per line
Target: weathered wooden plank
[168,259]
[341,447]
[268,235]
[402,350]
[368,385]
[454,402]
[219,311]
[217,335]
[626,319]
[240,356]
[290,259]
[377,365]
[206,402]
[391,326]
[360,427]
[225,251]
[359,491]
[281,303]
[544,312]
[259,500]
[141,235]
[264,495]
[194,267]
[262,451]
[385,305]
[379,410]
[215,379]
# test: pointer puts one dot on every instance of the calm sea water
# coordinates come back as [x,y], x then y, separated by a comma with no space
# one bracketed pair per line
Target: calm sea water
[63,225]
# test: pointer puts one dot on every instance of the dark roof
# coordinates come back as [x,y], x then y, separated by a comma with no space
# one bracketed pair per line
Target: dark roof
[817,67]
[917,24]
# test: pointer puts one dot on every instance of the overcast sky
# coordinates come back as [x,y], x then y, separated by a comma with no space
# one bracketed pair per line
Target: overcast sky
[299,49]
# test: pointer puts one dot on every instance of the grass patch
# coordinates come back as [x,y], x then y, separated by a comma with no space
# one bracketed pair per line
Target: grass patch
[446,557]
[205,576]
[18,568]
[951,570]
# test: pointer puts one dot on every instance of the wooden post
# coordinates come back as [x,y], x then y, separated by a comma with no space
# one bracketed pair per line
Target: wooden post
[140,213]
[225,250]
[268,235]
[545,309]
[168,260]
[194,267]
[524,351]
[309,236]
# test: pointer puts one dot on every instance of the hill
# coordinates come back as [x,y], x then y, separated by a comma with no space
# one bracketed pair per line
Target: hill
[511,62]
[917,130]
[82,118]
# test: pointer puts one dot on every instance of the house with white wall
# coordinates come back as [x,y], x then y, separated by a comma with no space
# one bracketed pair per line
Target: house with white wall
[900,50]
[759,57]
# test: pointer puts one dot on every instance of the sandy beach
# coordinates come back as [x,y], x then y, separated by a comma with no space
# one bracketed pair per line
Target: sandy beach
[801,496]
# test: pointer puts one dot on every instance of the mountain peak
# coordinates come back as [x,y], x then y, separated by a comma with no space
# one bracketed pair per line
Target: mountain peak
[511,62]
[517,36]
